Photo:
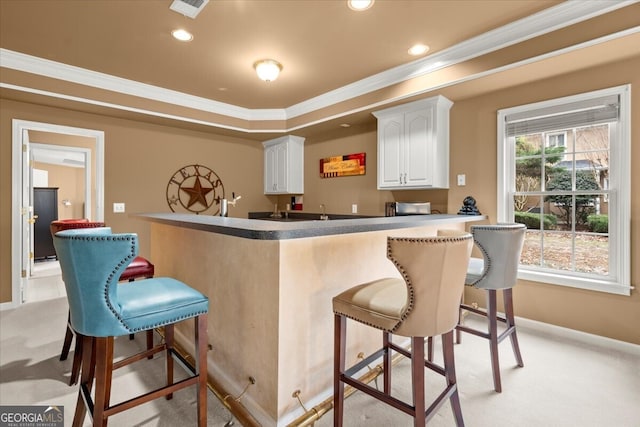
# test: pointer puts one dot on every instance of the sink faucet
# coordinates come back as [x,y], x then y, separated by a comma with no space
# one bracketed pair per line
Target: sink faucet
[323,216]
[276,212]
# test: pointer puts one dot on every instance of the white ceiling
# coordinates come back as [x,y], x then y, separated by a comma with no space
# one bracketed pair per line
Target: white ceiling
[72,159]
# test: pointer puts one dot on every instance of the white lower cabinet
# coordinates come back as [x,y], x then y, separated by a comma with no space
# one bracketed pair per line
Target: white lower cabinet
[284,165]
[413,145]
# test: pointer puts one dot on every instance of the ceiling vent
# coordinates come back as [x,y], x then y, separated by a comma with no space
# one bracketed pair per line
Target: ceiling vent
[190,8]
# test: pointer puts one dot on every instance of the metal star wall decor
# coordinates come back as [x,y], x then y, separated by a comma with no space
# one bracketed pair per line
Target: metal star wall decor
[195,188]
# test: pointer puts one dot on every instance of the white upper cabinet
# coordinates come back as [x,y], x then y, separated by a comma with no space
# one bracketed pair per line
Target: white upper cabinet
[413,145]
[284,165]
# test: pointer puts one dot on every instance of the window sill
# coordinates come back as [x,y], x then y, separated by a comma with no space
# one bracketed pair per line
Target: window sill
[574,282]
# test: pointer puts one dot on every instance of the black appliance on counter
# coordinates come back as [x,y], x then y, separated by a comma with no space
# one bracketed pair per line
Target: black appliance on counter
[407,208]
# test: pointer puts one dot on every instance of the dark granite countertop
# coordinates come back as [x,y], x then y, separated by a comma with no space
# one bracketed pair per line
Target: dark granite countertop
[259,229]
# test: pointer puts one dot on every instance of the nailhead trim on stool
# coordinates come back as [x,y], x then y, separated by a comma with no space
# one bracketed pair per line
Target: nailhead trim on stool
[423,303]
[139,268]
[101,309]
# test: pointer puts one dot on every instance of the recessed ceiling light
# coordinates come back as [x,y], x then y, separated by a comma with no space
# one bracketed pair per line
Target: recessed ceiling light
[418,49]
[345,125]
[182,35]
[359,5]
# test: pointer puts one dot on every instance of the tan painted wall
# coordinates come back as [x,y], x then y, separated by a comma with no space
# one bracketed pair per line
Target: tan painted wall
[70,187]
[140,158]
[474,152]
[338,194]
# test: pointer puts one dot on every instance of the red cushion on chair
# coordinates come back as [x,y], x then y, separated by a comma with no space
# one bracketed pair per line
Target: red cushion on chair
[68,224]
[139,267]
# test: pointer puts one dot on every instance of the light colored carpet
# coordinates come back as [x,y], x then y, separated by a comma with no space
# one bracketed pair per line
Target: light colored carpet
[566,382]
[31,373]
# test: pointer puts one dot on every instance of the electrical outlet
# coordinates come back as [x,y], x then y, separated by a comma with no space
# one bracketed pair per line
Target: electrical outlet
[354,208]
[462,180]
[118,207]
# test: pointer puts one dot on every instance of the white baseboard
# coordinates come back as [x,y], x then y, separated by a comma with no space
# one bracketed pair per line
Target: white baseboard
[592,339]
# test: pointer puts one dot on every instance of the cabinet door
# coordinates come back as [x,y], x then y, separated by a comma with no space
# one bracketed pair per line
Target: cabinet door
[270,169]
[281,174]
[390,140]
[276,169]
[419,148]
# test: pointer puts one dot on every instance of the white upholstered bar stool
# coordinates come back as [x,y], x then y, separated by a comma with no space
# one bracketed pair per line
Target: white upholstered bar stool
[501,246]
[424,303]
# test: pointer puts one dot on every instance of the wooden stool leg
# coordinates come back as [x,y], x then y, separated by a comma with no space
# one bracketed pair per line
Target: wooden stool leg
[386,363]
[77,360]
[150,331]
[340,340]
[460,320]
[417,380]
[450,374]
[430,349]
[86,380]
[492,315]
[508,311]
[150,341]
[68,337]
[168,341]
[201,367]
[104,373]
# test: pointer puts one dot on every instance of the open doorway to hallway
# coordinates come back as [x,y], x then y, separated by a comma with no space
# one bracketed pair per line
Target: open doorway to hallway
[41,280]
[60,184]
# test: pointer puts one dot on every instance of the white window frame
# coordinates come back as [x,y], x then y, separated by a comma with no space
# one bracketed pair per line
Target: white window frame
[547,137]
[619,280]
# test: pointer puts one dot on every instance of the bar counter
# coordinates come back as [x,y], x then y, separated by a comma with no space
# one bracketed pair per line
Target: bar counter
[270,286]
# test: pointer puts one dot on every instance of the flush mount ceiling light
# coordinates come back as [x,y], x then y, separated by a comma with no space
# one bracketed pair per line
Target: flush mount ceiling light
[359,5]
[267,69]
[182,35]
[418,49]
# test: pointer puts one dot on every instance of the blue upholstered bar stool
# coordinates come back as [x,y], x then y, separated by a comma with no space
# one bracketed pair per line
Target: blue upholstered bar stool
[501,246]
[424,303]
[91,261]
[139,268]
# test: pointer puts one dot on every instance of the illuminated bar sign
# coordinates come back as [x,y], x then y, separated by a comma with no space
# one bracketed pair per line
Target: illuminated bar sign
[348,165]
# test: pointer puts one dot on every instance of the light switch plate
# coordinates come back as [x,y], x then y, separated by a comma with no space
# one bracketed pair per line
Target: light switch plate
[462,180]
[354,208]
[118,207]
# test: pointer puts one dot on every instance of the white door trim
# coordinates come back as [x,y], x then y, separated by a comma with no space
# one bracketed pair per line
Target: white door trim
[18,186]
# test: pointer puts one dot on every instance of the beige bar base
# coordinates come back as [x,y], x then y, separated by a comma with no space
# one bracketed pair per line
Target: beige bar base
[270,313]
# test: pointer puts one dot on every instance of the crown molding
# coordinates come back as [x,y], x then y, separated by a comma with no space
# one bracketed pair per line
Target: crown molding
[378,104]
[56,70]
[548,20]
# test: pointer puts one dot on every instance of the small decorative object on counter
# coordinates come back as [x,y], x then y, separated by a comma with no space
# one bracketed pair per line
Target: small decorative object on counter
[296,203]
[469,207]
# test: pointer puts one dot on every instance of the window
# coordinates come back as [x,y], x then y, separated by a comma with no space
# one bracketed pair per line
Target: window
[556,139]
[564,171]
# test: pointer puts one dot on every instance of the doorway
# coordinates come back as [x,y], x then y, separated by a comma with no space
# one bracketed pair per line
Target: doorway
[22,192]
